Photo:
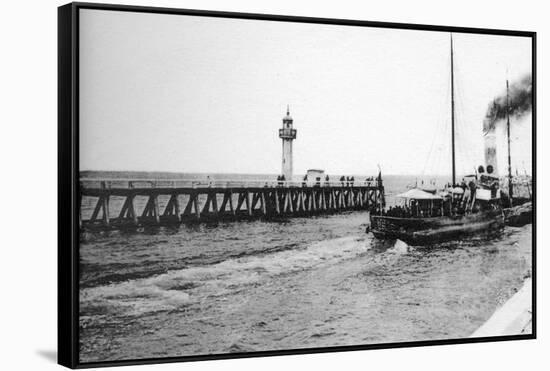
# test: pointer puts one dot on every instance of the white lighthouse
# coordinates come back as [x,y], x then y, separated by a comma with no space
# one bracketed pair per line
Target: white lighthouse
[287,134]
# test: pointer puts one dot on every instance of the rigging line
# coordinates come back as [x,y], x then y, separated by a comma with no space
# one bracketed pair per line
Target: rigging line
[441,155]
[443,144]
[459,114]
[434,140]
[463,153]
[438,127]
[464,142]
[445,153]
[434,149]
[460,137]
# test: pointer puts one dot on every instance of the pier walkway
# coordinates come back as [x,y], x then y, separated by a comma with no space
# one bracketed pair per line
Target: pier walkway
[128,203]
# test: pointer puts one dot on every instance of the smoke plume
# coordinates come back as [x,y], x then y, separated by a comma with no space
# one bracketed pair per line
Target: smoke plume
[520,103]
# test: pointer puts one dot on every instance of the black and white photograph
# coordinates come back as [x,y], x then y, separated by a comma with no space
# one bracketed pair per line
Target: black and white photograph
[254,185]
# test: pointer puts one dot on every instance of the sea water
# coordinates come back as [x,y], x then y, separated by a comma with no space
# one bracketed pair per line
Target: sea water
[290,284]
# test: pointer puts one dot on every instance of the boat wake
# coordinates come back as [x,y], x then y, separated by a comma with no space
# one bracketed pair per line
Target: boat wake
[178,289]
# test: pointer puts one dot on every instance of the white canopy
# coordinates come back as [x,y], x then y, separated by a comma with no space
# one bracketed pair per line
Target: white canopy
[418,194]
[457,190]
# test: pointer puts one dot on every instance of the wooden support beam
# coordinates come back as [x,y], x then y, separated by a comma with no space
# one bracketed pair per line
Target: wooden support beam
[172,208]
[225,201]
[323,200]
[240,201]
[177,207]
[196,204]
[128,210]
[309,200]
[106,217]
[255,199]
[147,210]
[152,209]
[231,208]
[277,207]
[372,197]
[132,210]
[97,209]
[189,207]
[314,200]
[294,200]
[156,211]
[214,202]
[264,206]
[247,201]
[168,209]
[301,200]
[288,202]
[206,206]
[124,209]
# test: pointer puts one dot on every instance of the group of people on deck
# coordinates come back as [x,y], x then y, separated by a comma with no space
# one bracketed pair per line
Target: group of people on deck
[415,209]
[456,200]
[345,181]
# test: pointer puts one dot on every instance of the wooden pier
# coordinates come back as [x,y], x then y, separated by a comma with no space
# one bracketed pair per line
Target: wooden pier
[130,203]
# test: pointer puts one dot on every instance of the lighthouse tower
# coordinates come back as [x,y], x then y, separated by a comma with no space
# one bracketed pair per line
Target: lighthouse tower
[287,134]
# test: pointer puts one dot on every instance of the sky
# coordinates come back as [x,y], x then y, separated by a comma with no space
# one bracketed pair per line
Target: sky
[198,94]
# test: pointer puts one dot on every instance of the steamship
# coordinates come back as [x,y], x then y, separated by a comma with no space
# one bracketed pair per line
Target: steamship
[426,216]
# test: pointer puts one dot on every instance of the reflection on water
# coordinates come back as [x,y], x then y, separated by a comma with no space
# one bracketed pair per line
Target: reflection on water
[300,283]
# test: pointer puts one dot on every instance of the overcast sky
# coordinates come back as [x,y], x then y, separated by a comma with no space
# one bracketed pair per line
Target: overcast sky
[197,94]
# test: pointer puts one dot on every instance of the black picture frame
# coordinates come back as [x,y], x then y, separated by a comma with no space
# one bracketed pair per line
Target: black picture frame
[68,180]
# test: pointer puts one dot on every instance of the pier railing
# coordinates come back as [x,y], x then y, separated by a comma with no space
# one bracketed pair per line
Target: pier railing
[218,183]
[127,203]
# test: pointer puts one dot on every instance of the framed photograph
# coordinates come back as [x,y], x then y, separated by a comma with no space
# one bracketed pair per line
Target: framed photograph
[243,185]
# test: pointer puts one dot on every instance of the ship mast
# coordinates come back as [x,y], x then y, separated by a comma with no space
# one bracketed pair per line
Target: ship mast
[510,187]
[453,112]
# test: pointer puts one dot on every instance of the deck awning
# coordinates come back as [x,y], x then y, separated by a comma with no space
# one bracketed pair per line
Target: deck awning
[418,194]
[457,190]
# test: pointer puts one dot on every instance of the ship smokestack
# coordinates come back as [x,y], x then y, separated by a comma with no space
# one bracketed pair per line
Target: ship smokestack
[491,153]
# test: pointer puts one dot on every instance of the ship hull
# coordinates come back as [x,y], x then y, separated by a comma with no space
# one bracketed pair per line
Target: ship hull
[520,215]
[423,231]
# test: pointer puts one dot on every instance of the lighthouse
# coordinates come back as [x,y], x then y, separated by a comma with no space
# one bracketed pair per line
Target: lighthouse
[287,134]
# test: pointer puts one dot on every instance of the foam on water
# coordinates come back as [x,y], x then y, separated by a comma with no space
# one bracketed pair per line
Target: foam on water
[179,288]
[400,247]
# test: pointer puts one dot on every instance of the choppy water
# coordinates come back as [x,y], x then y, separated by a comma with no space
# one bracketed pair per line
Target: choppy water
[300,283]
[297,284]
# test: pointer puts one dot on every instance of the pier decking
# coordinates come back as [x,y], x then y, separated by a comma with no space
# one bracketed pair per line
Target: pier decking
[130,203]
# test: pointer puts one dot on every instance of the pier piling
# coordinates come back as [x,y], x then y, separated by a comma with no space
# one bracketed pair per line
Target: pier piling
[118,203]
